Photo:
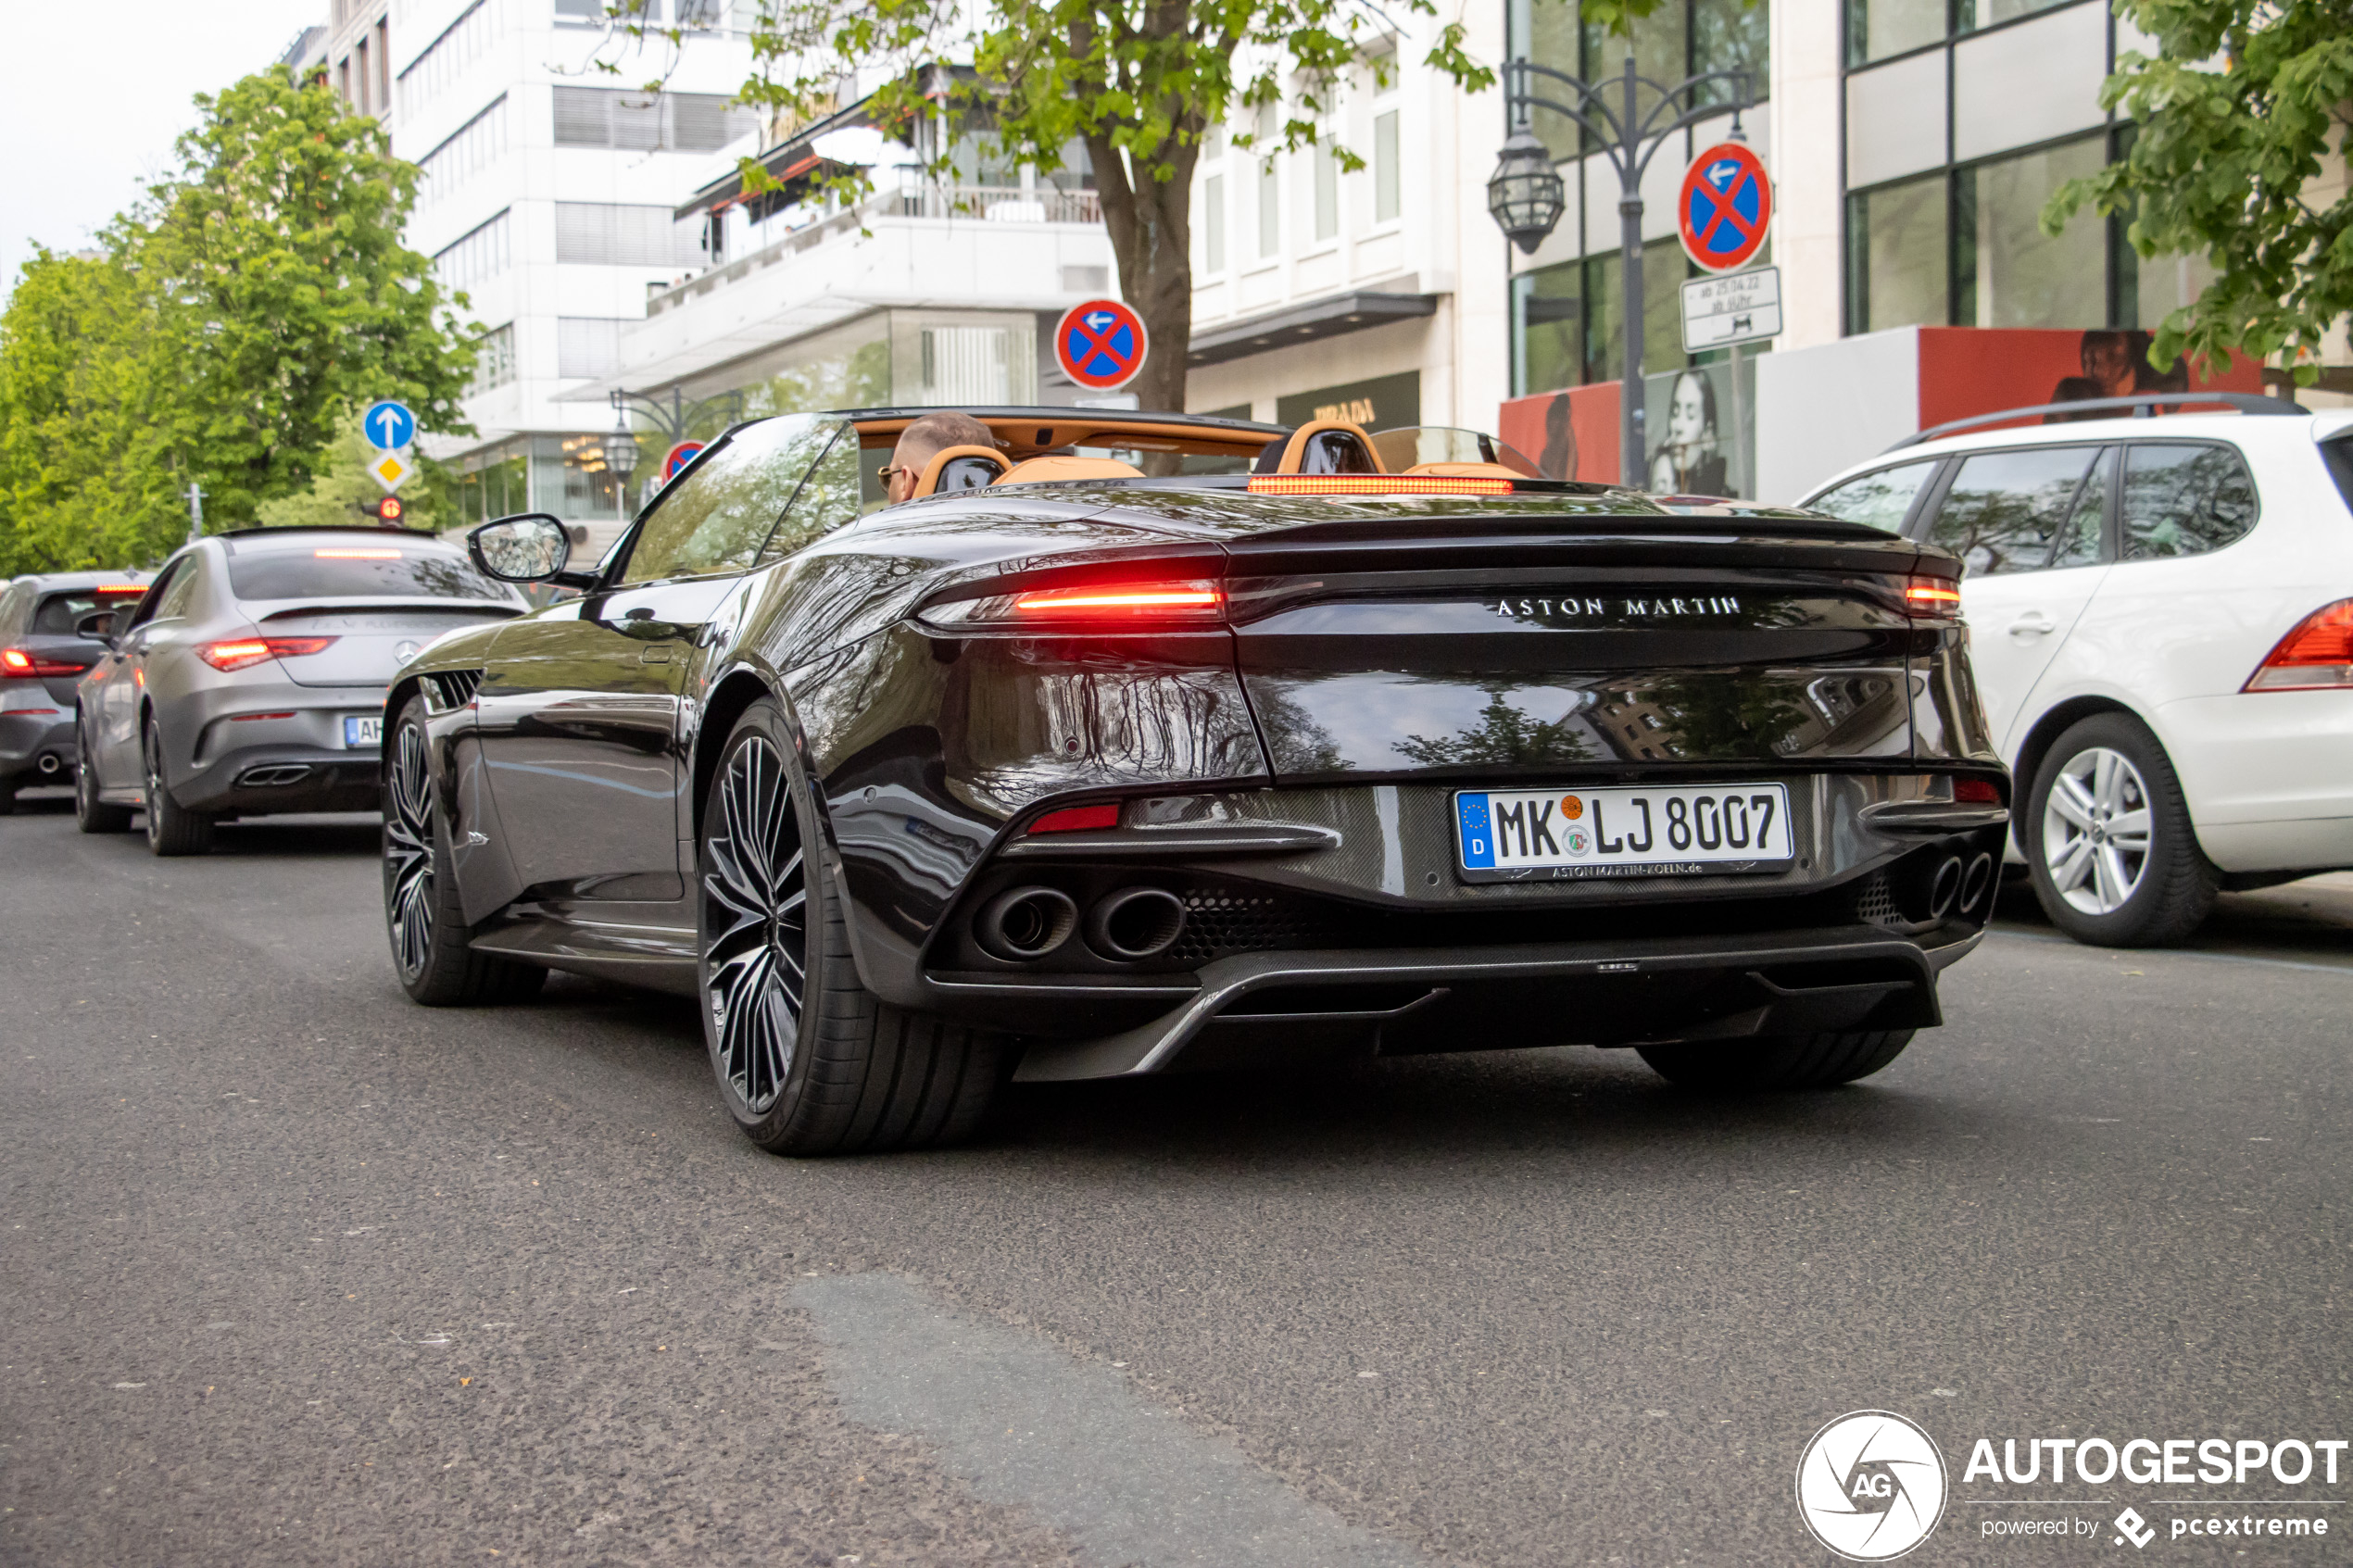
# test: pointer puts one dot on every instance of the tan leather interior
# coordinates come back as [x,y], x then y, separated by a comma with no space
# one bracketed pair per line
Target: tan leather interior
[1295,449]
[1466,470]
[1038,469]
[929,481]
[1033,434]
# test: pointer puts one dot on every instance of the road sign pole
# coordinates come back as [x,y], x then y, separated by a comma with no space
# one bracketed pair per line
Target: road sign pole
[1738,424]
[195,511]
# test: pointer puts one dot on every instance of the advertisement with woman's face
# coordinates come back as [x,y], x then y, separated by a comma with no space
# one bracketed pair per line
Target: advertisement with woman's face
[1694,450]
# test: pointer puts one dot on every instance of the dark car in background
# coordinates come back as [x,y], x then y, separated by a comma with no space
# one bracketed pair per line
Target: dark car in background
[249,677]
[43,654]
[1062,770]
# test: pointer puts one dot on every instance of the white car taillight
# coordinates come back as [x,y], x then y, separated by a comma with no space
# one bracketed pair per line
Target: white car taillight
[2317,656]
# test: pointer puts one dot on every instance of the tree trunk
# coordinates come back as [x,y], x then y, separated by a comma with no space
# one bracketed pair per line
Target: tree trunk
[1149,222]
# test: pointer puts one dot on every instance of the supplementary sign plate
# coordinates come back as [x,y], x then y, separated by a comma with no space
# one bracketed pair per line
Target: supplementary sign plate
[1738,308]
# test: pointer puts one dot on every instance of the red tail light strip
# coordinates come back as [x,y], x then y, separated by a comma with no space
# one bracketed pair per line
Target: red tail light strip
[1121,600]
[1931,598]
[23,662]
[1376,484]
[240,652]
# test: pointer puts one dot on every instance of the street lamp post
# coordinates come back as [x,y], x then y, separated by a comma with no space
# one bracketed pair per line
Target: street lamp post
[671,420]
[1527,208]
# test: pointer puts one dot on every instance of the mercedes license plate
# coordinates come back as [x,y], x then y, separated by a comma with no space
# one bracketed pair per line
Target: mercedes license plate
[359,732]
[1569,833]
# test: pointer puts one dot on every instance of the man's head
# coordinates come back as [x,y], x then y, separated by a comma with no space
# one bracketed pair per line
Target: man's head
[926,439]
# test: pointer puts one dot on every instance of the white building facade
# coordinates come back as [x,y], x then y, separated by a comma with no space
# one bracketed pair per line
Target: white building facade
[1912,145]
[547,200]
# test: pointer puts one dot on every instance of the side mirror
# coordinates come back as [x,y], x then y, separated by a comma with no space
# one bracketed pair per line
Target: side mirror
[529,547]
[98,626]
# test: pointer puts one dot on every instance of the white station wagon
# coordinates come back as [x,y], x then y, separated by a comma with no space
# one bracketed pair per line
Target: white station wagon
[2161,620]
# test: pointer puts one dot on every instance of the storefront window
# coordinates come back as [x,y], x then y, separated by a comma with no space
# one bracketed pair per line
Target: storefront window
[570,479]
[1896,239]
[1664,270]
[2006,272]
[1877,29]
[1548,328]
[493,482]
[1970,14]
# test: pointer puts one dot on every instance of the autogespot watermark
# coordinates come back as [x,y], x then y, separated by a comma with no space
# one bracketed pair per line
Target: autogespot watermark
[1870,1486]
[1873,1484]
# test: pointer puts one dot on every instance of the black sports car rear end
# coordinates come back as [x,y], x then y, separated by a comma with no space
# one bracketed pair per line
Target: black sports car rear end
[1125,775]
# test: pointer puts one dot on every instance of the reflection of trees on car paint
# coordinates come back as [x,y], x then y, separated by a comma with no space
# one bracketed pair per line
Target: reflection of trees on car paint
[1506,734]
[1298,743]
[1708,715]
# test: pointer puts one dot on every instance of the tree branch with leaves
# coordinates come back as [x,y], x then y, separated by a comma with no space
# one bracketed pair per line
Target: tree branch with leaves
[2235,120]
[1139,83]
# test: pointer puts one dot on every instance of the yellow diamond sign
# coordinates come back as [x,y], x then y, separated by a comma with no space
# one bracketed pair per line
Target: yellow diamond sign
[390,471]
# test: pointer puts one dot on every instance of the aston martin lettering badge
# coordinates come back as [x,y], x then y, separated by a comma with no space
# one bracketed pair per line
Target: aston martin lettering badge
[1546,609]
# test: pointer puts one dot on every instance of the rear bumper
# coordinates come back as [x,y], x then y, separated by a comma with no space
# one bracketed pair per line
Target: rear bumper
[263,744]
[2269,776]
[1261,1007]
[28,736]
[257,780]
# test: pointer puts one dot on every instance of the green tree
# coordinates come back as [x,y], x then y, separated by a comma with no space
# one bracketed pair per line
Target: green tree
[235,319]
[2234,119]
[74,394]
[1138,83]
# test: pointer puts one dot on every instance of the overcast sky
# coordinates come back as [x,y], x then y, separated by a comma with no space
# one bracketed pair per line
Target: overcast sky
[99,95]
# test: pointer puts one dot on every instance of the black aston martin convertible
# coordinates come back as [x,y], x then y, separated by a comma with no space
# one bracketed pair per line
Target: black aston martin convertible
[1137,743]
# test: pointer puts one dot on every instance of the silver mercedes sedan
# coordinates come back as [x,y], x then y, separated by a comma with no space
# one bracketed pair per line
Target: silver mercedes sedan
[250,678]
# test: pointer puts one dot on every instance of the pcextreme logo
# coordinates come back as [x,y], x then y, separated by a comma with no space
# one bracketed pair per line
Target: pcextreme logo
[1870,1486]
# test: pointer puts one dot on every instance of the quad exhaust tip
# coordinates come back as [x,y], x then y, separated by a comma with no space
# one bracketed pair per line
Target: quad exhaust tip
[1979,877]
[1134,922]
[1026,922]
[1946,888]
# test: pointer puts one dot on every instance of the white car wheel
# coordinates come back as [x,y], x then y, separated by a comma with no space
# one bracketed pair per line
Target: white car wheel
[2096,829]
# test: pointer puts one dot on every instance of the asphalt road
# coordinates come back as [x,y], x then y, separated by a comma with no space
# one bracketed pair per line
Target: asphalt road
[294,1272]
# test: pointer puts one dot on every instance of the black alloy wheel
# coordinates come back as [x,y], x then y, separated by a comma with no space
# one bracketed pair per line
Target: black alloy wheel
[170,829]
[2109,839]
[425,917]
[90,813]
[808,1059]
[1775,1061]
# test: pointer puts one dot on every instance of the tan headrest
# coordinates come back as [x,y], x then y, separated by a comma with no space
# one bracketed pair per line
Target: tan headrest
[1295,449]
[932,470]
[1037,469]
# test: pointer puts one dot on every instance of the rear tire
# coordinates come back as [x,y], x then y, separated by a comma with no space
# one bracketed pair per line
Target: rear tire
[425,917]
[90,813]
[808,1059]
[1777,1061]
[8,798]
[2109,839]
[170,829]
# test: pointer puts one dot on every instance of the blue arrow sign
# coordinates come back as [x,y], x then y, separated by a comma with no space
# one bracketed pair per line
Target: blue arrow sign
[389,425]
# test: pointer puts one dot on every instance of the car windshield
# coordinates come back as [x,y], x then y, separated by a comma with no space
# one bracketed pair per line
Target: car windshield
[361,569]
[58,613]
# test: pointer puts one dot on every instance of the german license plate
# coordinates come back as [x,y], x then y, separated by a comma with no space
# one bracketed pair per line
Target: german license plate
[369,731]
[1570,833]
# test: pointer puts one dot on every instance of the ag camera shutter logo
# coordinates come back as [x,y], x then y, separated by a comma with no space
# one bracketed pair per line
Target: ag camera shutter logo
[1870,1486]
